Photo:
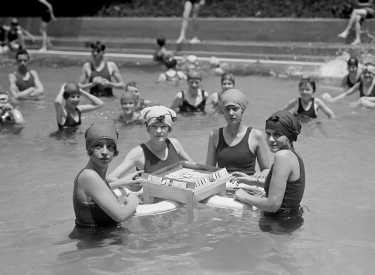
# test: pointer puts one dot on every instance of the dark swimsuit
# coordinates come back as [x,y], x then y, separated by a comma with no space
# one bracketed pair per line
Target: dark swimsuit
[70,122]
[153,163]
[361,94]
[293,191]
[90,214]
[12,36]
[349,83]
[187,107]
[306,113]
[100,90]
[236,158]
[2,36]
[24,84]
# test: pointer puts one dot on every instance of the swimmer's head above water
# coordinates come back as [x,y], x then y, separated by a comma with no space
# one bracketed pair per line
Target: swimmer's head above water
[227,82]
[70,89]
[97,132]
[234,97]
[158,114]
[307,83]
[133,88]
[97,49]
[194,74]
[353,62]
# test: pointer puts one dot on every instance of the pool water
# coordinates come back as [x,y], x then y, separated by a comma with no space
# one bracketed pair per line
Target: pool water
[38,167]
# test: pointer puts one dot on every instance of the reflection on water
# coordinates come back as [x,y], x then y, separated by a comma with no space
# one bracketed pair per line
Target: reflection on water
[39,164]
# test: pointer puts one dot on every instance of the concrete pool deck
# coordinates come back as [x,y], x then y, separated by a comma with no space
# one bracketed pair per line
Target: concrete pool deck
[283,39]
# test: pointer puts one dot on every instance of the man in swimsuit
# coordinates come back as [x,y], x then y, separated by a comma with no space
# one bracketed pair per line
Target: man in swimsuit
[68,110]
[100,76]
[47,16]
[25,83]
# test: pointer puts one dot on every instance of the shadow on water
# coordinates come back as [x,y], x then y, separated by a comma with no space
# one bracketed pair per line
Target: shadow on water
[311,125]
[281,224]
[70,135]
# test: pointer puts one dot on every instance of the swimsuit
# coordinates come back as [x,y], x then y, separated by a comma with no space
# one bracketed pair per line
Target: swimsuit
[310,112]
[238,157]
[153,163]
[100,90]
[2,36]
[187,107]
[361,94]
[24,84]
[45,14]
[349,83]
[12,36]
[172,79]
[193,1]
[70,122]
[293,191]
[90,214]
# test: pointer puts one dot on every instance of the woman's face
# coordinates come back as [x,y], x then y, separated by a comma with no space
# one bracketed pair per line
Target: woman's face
[73,100]
[368,76]
[232,114]
[306,93]
[158,131]
[226,85]
[275,140]
[127,106]
[352,69]
[134,91]
[194,83]
[103,152]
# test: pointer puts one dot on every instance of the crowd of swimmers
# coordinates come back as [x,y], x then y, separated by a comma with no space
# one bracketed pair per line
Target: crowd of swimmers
[235,146]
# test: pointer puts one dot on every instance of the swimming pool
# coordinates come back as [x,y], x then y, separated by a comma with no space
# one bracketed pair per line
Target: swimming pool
[38,167]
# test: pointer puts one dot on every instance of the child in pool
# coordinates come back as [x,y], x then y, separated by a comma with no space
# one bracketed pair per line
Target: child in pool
[68,110]
[140,104]
[172,76]
[227,83]
[8,114]
[354,75]
[366,88]
[128,104]
[194,98]
[306,105]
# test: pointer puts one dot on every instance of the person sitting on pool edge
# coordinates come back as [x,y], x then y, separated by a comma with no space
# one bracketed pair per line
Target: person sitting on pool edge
[68,110]
[129,115]
[159,53]
[8,114]
[172,76]
[307,106]
[237,147]
[95,204]
[194,98]
[100,76]
[25,83]
[285,182]
[156,153]
[140,103]
[366,88]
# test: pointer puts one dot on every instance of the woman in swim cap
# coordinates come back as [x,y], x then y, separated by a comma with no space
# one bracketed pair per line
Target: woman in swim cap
[354,75]
[194,98]
[227,83]
[366,88]
[156,153]
[95,204]
[140,103]
[285,182]
[237,147]
[68,110]
[172,76]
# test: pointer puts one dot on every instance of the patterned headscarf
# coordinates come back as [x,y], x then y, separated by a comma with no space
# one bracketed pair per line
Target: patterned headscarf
[158,114]
[284,123]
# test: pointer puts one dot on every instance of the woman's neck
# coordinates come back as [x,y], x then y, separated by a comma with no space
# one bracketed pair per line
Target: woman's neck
[234,129]
[70,108]
[192,92]
[156,146]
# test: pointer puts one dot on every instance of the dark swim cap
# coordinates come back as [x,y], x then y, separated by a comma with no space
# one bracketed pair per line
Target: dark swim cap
[70,89]
[98,46]
[353,62]
[170,62]
[284,123]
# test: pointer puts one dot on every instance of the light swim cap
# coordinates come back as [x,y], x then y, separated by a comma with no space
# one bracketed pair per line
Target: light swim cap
[127,96]
[284,123]
[97,132]
[70,89]
[194,74]
[228,76]
[370,67]
[158,114]
[234,97]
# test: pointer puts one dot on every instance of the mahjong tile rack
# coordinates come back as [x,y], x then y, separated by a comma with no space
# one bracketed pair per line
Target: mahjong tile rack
[185,182]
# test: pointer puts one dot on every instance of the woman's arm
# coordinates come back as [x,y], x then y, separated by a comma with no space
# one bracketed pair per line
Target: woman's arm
[84,77]
[177,101]
[261,151]
[119,81]
[347,93]
[39,89]
[180,150]
[282,169]
[211,149]
[368,102]
[95,187]
[290,105]
[96,102]
[324,108]
[59,105]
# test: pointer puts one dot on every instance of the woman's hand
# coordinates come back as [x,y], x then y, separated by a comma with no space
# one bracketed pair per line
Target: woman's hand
[243,178]
[134,181]
[241,195]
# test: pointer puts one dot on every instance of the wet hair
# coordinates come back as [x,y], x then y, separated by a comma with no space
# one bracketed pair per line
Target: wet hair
[305,82]
[131,84]
[21,52]
[170,62]
[194,74]
[161,41]
[98,46]
[228,76]
[71,88]
[353,62]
